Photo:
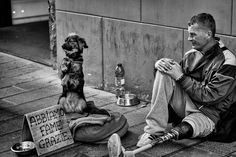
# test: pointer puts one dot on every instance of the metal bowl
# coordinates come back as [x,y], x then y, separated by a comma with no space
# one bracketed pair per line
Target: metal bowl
[23,148]
[128,100]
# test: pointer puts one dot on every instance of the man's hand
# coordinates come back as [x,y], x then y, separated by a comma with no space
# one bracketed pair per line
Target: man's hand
[164,65]
[170,67]
[176,71]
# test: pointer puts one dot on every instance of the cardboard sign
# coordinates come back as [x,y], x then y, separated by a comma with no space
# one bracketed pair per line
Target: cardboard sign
[49,129]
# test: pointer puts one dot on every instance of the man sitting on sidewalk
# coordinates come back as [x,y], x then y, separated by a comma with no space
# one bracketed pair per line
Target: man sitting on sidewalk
[197,90]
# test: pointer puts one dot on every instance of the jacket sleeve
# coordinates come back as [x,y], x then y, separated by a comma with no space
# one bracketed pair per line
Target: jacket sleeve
[217,88]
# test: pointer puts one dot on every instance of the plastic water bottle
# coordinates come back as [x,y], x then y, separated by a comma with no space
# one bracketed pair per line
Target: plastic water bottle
[120,80]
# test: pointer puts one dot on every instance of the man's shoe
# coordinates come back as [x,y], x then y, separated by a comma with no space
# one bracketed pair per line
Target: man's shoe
[115,148]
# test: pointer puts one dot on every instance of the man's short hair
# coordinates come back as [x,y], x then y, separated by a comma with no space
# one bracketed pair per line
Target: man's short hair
[205,20]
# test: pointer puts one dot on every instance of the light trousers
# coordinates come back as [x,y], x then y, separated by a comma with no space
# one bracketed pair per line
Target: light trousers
[167,92]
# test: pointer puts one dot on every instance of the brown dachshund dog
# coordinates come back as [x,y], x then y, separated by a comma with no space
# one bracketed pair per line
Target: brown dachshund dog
[71,74]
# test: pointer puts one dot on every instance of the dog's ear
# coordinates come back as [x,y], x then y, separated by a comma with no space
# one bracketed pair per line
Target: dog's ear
[67,39]
[82,40]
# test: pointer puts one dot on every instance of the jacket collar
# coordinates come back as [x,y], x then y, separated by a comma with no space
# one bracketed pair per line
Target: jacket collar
[212,52]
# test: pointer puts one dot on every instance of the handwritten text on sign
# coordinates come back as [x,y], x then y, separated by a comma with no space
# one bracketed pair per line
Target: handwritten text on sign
[49,129]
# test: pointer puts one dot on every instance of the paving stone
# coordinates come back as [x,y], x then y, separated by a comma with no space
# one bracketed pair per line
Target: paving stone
[5,56]
[88,92]
[6,115]
[73,152]
[188,142]
[194,152]
[5,92]
[137,116]
[42,73]
[40,83]
[6,59]
[34,106]
[164,148]
[143,154]
[90,150]
[99,102]
[5,104]
[233,154]
[11,125]
[12,65]
[101,94]
[8,154]
[19,71]
[7,140]
[217,147]
[120,109]
[34,95]
[70,150]
[130,139]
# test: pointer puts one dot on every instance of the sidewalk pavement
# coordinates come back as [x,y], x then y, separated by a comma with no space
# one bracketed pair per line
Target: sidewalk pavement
[26,86]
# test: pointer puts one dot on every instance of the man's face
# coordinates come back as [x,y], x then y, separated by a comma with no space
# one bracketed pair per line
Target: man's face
[198,36]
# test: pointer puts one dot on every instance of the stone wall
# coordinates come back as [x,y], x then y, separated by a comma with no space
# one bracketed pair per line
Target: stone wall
[52,33]
[136,33]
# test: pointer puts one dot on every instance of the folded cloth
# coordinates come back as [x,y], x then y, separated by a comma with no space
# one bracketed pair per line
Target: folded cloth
[90,120]
[97,128]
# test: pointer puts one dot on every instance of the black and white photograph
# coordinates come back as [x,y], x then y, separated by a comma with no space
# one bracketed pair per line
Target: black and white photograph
[118,78]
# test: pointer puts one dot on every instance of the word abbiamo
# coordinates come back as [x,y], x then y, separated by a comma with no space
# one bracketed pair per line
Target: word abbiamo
[46,116]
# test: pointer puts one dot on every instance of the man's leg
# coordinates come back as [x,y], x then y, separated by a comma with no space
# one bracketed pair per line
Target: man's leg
[166,91]
[157,118]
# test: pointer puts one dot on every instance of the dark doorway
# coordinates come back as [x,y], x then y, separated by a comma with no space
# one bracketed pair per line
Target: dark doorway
[5,13]
[29,41]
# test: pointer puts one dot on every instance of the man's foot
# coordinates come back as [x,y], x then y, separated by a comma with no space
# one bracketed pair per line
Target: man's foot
[146,139]
[114,146]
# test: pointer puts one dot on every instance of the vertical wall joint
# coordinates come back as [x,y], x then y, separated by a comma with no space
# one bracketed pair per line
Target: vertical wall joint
[102,47]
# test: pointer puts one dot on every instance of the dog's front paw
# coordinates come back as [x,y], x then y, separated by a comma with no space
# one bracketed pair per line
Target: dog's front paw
[64,80]
[72,103]
[81,105]
[66,107]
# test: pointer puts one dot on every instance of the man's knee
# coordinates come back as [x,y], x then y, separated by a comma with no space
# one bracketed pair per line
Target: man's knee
[162,76]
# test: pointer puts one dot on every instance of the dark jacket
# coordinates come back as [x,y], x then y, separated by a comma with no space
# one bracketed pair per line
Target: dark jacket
[209,80]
